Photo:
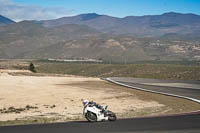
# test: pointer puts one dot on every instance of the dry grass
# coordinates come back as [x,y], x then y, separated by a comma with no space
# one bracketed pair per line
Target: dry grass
[156,71]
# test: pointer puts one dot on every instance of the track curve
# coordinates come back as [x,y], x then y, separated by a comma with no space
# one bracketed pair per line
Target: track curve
[183,123]
[179,88]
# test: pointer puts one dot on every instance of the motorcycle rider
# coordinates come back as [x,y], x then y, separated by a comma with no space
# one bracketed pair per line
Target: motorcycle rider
[85,102]
[91,104]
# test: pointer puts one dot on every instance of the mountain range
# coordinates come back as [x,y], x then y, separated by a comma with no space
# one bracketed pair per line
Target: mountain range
[151,25]
[170,36]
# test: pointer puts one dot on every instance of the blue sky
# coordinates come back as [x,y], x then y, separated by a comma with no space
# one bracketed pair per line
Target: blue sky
[49,9]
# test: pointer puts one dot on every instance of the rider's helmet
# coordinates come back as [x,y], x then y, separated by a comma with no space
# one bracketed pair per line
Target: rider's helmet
[85,102]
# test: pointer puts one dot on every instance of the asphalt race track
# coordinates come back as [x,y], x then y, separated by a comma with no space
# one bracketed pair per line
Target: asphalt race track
[185,123]
[171,124]
[176,87]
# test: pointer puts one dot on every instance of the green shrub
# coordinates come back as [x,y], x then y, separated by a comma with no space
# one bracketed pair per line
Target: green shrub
[32,67]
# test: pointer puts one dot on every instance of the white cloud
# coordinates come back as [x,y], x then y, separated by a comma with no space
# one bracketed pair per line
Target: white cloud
[18,12]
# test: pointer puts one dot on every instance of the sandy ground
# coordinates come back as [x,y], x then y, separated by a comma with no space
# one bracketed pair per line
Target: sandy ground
[61,96]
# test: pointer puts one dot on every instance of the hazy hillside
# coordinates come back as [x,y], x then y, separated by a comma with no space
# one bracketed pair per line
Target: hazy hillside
[5,21]
[152,25]
[23,37]
[94,47]
[176,37]
[99,22]
[119,49]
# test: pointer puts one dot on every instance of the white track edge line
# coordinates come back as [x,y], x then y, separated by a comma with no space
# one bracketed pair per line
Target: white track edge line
[167,94]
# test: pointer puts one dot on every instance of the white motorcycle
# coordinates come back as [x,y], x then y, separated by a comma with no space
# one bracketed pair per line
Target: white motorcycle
[94,112]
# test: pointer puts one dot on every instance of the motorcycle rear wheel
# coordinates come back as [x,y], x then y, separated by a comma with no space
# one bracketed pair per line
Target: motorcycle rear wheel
[91,117]
[112,117]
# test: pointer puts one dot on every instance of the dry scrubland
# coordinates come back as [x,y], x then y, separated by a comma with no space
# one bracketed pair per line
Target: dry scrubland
[186,70]
[157,71]
[27,97]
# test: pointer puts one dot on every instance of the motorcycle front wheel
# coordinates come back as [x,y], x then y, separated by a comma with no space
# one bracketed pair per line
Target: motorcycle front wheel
[91,117]
[112,117]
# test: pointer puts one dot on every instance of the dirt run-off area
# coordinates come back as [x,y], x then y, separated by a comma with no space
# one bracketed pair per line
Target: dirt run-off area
[52,98]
